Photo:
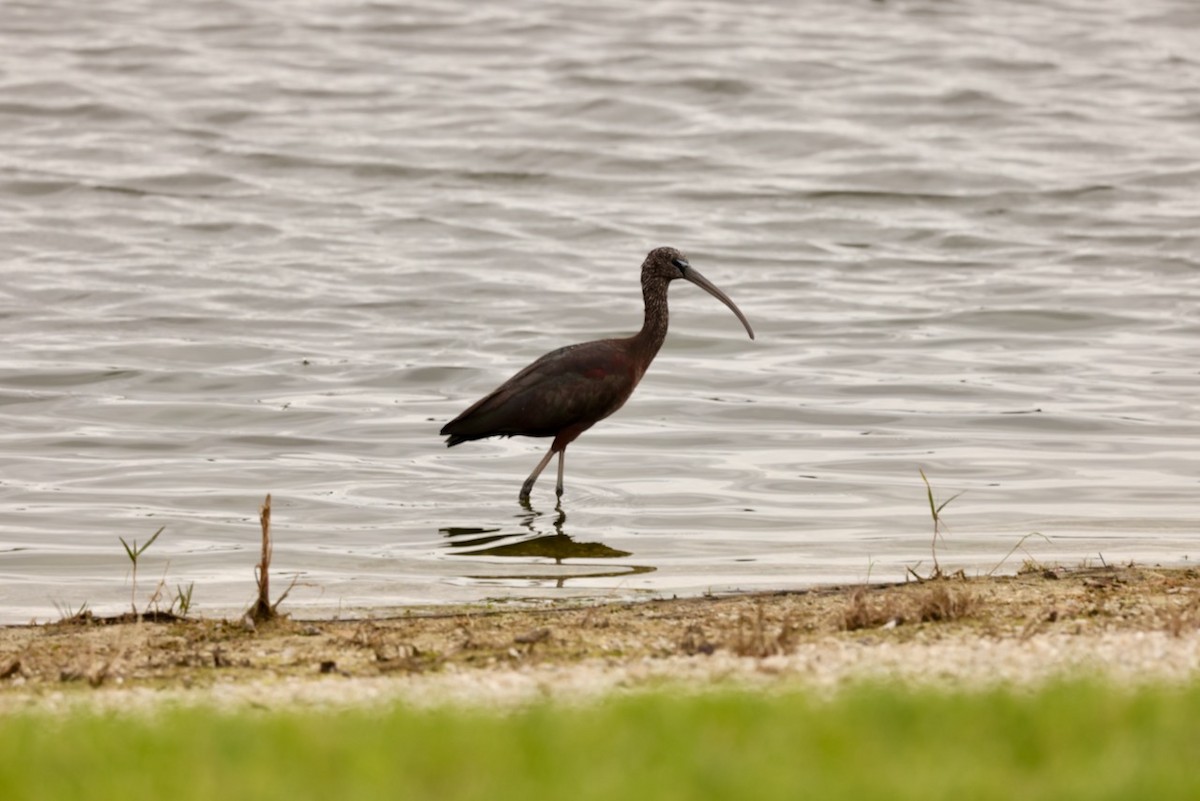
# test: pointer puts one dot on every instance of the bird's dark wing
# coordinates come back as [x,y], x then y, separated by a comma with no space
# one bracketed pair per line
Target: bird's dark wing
[572,386]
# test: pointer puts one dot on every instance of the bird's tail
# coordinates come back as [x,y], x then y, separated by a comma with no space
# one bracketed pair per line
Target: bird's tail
[455,435]
[475,423]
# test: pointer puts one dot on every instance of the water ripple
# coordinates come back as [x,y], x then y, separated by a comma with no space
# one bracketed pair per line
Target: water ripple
[257,249]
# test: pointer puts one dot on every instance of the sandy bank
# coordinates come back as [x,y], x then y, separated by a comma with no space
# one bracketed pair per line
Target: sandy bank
[1128,624]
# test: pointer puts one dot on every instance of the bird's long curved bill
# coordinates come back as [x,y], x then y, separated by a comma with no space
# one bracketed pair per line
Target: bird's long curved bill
[702,282]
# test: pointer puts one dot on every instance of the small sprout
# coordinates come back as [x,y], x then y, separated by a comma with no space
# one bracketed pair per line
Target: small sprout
[66,615]
[134,552]
[935,509]
[183,599]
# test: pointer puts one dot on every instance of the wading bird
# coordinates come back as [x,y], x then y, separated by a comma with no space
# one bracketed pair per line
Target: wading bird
[569,390]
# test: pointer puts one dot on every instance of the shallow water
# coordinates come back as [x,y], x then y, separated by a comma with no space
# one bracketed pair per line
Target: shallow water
[274,247]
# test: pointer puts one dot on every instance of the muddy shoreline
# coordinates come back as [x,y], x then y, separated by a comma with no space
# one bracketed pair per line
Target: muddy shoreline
[1128,624]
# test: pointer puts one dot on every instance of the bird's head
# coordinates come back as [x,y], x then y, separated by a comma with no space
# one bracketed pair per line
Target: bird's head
[668,264]
[665,263]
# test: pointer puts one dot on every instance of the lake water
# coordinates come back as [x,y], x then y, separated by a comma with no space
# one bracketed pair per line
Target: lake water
[273,247]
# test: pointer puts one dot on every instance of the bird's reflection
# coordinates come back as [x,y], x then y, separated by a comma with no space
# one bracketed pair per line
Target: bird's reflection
[545,539]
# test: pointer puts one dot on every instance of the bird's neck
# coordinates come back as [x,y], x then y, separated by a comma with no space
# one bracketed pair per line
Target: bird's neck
[654,328]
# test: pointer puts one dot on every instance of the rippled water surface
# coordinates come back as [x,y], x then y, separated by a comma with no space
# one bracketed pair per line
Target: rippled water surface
[251,247]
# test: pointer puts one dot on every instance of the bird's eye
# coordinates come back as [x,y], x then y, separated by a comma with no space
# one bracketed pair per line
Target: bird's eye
[680,263]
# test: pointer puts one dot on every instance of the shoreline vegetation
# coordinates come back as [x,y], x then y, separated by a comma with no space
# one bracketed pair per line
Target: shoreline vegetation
[1130,624]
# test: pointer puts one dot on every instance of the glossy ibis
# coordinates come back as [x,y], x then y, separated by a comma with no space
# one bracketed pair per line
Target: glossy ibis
[569,390]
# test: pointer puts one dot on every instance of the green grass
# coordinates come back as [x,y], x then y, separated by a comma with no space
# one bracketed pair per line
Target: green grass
[1071,740]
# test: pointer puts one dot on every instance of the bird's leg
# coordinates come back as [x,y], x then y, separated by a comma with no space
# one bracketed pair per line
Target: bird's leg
[527,487]
[561,455]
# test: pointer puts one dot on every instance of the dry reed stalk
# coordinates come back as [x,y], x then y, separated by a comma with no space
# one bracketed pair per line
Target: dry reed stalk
[262,609]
